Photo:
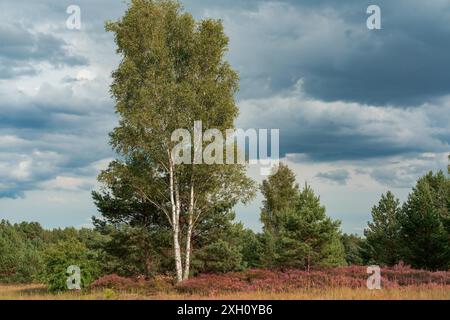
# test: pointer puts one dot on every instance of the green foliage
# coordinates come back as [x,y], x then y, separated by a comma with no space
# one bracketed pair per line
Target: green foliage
[280,192]
[251,247]
[268,250]
[382,234]
[333,252]
[131,251]
[306,236]
[172,73]
[424,232]
[297,232]
[59,256]
[20,246]
[27,249]
[217,257]
[418,233]
[353,247]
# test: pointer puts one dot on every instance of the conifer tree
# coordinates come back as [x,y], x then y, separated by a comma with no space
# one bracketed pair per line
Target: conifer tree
[382,234]
[306,236]
[297,231]
[424,237]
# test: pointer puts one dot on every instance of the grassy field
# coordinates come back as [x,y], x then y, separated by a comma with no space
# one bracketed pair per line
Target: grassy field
[348,283]
[38,292]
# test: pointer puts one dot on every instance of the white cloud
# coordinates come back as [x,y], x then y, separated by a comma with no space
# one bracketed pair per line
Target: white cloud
[68,183]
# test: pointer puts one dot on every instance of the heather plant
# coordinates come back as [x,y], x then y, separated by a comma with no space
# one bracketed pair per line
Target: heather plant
[292,280]
[114,282]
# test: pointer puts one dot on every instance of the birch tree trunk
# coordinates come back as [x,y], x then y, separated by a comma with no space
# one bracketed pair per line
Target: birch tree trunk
[187,262]
[174,199]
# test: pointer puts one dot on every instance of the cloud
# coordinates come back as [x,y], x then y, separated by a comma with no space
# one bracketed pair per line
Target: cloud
[339,176]
[23,50]
[68,184]
[333,131]
[368,110]
[404,172]
[56,111]
[327,44]
[56,131]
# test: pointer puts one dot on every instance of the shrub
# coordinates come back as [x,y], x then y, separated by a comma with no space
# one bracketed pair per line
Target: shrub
[59,256]
[114,281]
[219,257]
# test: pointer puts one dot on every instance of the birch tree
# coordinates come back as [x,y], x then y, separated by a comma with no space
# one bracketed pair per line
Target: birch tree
[173,73]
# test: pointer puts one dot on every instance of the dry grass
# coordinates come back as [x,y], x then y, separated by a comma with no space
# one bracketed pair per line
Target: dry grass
[348,283]
[38,292]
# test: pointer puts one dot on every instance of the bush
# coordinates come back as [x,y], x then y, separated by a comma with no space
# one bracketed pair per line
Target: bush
[59,256]
[219,257]
[114,281]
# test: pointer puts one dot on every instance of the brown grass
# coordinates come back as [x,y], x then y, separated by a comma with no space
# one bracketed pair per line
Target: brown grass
[38,292]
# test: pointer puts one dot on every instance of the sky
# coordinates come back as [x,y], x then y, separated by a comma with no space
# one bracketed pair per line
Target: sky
[360,111]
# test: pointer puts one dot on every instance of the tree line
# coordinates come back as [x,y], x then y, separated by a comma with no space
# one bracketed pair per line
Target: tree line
[132,239]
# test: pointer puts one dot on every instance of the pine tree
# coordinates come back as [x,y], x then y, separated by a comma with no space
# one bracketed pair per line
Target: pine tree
[353,247]
[297,232]
[382,234]
[425,240]
[306,237]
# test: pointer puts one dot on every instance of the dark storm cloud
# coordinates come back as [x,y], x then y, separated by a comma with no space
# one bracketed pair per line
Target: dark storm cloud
[327,44]
[21,49]
[53,124]
[332,131]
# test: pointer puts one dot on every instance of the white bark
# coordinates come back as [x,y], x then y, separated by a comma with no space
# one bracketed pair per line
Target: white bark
[174,199]
[187,262]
